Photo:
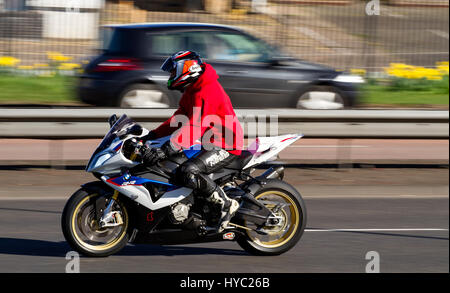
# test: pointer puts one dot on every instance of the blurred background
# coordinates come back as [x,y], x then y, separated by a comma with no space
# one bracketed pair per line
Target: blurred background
[381,165]
[400,47]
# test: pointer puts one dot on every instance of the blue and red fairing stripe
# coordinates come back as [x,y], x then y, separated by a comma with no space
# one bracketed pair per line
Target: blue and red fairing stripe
[118,147]
[119,181]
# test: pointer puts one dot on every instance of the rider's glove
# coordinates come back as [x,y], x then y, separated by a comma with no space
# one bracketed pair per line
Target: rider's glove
[152,155]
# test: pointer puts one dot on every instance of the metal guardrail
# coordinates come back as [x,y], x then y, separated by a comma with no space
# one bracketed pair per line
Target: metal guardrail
[71,123]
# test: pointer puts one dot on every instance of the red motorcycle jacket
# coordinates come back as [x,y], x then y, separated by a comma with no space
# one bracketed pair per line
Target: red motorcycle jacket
[205,115]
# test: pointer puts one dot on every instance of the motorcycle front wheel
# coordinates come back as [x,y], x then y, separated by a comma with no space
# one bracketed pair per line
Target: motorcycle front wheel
[288,206]
[82,231]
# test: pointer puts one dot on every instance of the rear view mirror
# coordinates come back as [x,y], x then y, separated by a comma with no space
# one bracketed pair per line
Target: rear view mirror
[112,120]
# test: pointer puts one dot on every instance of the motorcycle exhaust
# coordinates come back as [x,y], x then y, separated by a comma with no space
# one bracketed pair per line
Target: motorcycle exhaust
[274,173]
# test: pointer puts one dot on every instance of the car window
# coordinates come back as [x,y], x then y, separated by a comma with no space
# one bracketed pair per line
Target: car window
[199,41]
[167,44]
[238,47]
[106,34]
[116,40]
[212,45]
[122,41]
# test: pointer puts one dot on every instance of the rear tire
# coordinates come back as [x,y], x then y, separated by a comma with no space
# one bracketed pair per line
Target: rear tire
[295,223]
[78,211]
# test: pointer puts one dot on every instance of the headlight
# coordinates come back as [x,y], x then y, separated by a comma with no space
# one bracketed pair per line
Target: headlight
[347,78]
[101,160]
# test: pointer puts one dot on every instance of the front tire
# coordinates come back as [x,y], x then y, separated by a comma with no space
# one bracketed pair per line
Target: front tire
[322,98]
[82,232]
[291,227]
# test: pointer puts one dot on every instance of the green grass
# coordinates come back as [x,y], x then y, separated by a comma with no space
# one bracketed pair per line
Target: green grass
[407,93]
[379,95]
[60,90]
[36,89]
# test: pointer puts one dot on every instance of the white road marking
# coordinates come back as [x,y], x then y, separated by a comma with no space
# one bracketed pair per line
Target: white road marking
[376,230]
[439,33]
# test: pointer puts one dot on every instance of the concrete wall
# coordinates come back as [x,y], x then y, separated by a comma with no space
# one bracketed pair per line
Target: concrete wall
[68,19]
[218,6]
[70,25]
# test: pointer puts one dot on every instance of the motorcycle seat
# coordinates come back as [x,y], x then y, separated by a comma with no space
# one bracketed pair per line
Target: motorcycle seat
[240,161]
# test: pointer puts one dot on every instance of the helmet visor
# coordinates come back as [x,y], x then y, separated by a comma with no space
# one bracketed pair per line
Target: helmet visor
[168,65]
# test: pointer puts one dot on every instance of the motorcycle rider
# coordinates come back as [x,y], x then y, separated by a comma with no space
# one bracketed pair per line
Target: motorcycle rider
[203,96]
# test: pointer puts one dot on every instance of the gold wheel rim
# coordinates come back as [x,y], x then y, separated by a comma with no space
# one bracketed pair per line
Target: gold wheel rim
[97,247]
[294,222]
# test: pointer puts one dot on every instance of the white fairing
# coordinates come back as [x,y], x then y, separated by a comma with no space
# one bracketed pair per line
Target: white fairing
[264,148]
[110,162]
[141,195]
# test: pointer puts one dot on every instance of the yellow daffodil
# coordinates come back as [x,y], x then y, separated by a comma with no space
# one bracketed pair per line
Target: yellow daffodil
[442,67]
[417,72]
[25,67]
[56,56]
[8,61]
[68,66]
[360,72]
[41,65]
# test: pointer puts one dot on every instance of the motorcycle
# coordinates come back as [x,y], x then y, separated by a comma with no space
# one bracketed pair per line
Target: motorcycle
[133,203]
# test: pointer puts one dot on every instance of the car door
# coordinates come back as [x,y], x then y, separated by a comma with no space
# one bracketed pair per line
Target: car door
[245,69]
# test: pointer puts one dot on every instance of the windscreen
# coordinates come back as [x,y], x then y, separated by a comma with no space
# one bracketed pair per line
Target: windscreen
[123,126]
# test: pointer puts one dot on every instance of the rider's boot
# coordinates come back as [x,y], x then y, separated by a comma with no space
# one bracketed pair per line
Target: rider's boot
[228,206]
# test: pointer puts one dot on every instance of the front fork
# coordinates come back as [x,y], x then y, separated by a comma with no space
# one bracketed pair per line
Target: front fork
[111,218]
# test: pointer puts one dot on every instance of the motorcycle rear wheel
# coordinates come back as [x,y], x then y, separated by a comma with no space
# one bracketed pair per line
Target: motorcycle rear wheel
[82,232]
[288,232]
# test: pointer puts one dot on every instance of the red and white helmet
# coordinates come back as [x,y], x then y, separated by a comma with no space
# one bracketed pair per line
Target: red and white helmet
[184,67]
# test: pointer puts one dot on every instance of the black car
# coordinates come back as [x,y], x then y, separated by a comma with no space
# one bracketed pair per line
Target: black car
[253,73]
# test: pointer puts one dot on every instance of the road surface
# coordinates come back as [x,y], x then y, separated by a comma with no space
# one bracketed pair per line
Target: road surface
[410,235]
[402,214]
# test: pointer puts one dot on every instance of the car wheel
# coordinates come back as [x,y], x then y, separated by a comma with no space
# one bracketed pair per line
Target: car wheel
[321,97]
[143,96]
